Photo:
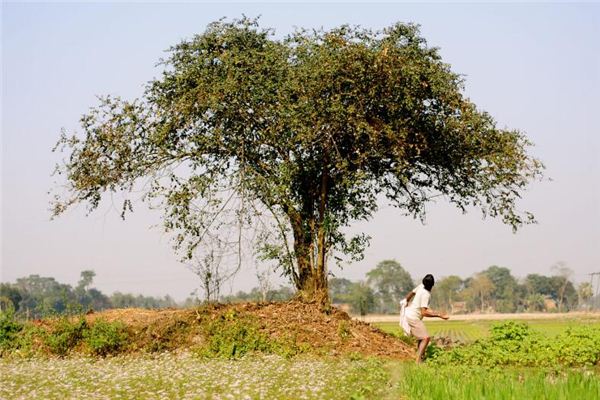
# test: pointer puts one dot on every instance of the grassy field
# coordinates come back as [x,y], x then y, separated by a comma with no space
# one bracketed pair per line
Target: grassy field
[186,376]
[468,331]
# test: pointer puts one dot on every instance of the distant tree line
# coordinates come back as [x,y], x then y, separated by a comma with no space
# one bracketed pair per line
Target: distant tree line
[494,289]
[35,296]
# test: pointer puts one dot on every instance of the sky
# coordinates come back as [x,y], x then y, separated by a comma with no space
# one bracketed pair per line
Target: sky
[534,67]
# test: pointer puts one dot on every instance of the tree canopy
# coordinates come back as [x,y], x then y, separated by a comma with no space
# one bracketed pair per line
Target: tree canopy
[311,130]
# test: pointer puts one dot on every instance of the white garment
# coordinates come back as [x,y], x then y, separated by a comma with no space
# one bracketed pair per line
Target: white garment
[403,321]
[421,299]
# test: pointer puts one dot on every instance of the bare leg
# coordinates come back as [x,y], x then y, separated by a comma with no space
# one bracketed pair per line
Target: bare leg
[421,349]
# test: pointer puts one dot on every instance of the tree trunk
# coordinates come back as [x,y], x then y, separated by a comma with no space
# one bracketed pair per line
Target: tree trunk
[311,277]
[310,242]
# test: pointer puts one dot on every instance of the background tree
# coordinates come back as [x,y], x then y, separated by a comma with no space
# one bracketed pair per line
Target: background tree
[563,273]
[584,292]
[536,283]
[446,292]
[87,278]
[390,283]
[208,269]
[481,287]
[506,289]
[11,294]
[339,290]
[44,295]
[361,298]
[309,129]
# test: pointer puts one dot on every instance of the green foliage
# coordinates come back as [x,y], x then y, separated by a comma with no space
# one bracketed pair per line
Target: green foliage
[371,375]
[361,298]
[233,336]
[446,292]
[310,129]
[514,343]
[391,283]
[343,330]
[104,338]
[9,330]
[578,346]
[65,335]
[467,382]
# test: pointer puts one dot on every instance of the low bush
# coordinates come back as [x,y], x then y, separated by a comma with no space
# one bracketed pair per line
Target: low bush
[9,330]
[65,336]
[104,338]
[232,336]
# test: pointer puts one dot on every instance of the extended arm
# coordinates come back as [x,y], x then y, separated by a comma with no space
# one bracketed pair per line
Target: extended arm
[427,312]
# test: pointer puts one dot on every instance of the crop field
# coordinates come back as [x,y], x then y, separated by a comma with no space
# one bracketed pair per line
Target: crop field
[186,376]
[96,359]
[466,331]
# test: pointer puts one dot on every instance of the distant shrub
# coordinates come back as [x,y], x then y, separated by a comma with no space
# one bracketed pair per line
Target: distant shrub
[65,335]
[104,338]
[9,330]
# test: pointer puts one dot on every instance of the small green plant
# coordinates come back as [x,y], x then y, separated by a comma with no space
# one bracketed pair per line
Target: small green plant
[232,336]
[344,330]
[433,351]
[104,338]
[65,335]
[9,330]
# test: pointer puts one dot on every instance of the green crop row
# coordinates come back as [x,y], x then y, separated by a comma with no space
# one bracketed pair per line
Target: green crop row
[515,343]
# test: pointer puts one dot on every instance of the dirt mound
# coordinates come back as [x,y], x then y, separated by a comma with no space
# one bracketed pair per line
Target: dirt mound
[333,332]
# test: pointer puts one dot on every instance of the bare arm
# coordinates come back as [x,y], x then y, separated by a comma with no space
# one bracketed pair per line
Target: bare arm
[410,296]
[427,312]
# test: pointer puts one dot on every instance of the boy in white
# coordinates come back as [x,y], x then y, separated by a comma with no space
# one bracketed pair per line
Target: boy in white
[416,310]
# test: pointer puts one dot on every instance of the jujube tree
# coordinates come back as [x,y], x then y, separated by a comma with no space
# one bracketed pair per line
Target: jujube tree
[312,129]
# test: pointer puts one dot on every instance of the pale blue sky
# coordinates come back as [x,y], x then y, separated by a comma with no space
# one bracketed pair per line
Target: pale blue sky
[534,67]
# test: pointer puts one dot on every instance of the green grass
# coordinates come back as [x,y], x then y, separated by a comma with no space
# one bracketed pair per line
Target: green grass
[425,382]
[468,331]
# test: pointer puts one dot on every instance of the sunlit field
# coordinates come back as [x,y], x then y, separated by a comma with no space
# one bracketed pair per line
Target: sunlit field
[470,330]
[186,376]
[227,356]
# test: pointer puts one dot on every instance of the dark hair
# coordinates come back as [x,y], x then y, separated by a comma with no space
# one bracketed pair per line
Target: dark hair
[428,282]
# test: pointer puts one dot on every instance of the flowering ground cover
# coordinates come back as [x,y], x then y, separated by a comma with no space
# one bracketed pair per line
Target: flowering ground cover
[186,376]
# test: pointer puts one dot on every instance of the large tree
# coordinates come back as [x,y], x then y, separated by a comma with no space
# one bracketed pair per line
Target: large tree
[311,129]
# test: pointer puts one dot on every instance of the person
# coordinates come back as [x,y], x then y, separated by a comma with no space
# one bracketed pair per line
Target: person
[418,307]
